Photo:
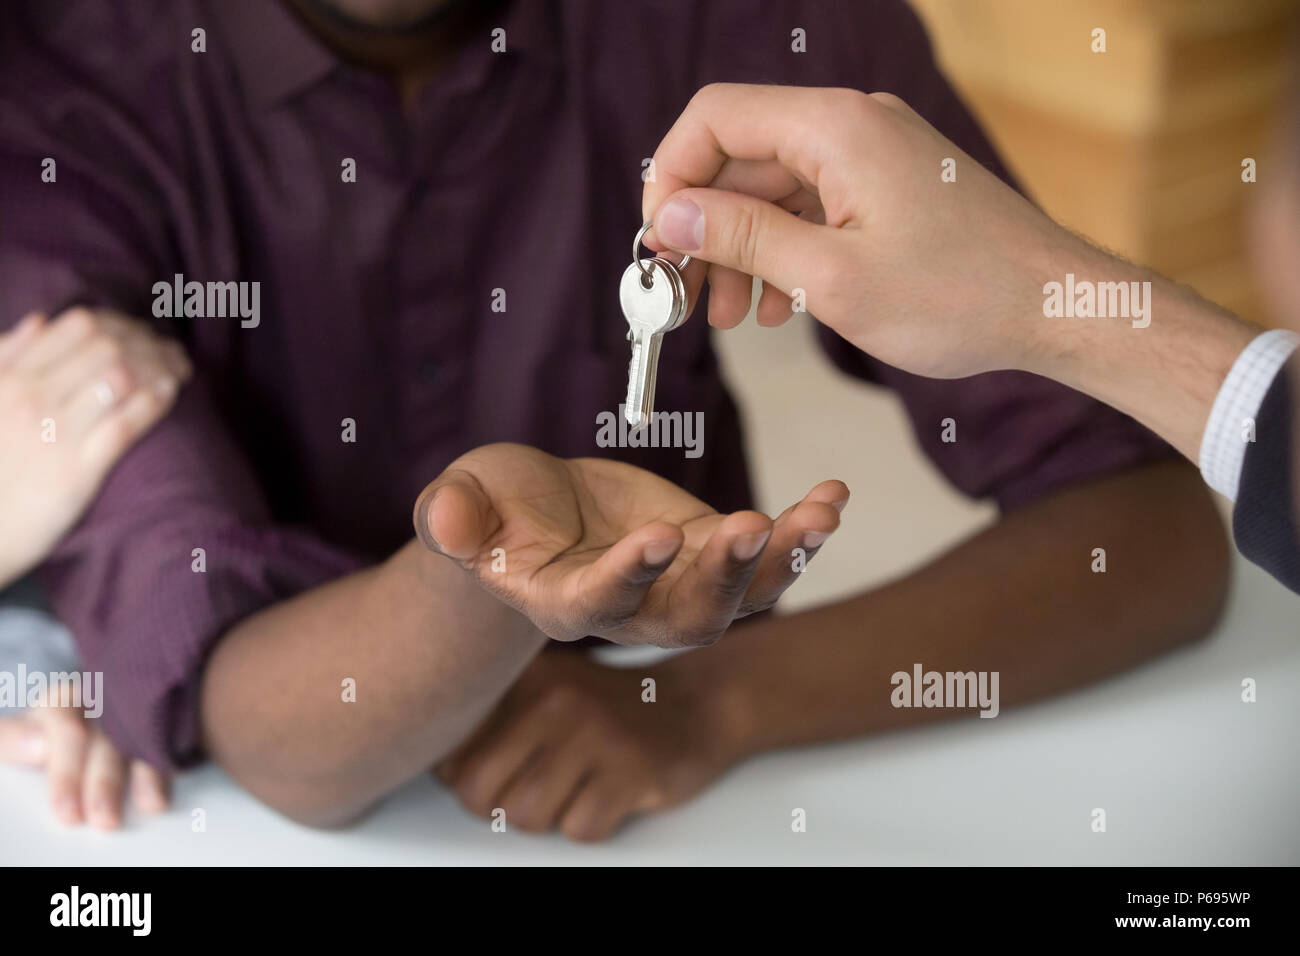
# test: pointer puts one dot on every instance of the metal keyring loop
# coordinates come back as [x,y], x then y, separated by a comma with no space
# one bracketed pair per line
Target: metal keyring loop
[647,274]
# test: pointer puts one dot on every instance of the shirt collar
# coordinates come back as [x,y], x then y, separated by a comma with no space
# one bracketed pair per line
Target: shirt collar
[533,30]
[276,56]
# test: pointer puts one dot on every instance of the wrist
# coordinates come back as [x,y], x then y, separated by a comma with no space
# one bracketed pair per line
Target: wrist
[450,592]
[721,704]
[1162,359]
[1053,345]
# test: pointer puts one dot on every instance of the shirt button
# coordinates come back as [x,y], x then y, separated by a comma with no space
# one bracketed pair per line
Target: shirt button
[428,371]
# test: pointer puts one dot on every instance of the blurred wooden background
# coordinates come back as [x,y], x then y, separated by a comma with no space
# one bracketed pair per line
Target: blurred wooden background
[1139,148]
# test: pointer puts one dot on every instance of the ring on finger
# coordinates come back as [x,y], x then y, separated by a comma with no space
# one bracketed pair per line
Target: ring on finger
[104,393]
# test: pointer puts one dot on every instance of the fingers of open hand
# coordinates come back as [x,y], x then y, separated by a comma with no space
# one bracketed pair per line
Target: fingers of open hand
[611,590]
[608,597]
[704,600]
[799,533]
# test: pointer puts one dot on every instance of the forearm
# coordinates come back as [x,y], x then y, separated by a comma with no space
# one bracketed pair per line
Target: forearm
[1020,599]
[1165,374]
[428,650]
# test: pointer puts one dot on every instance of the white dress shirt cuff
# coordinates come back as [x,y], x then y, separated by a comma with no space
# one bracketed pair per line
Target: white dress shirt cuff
[1232,419]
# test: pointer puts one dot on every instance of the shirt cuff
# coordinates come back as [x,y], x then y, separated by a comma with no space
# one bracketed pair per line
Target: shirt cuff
[1223,445]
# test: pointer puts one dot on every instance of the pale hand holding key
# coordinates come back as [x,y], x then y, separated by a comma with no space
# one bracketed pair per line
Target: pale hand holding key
[841,195]
[593,547]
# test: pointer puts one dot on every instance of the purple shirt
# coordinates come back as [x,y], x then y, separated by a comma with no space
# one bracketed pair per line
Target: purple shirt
[519,171]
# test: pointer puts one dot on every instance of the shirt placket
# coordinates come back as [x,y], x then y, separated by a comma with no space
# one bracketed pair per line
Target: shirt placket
[433,321]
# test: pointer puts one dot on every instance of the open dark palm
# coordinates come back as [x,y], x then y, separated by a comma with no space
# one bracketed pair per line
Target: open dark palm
[588,546]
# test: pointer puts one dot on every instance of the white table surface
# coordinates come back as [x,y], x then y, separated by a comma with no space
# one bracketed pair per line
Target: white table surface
[1187,772]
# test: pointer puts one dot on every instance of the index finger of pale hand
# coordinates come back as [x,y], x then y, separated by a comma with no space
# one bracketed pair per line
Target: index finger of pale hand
[738,121]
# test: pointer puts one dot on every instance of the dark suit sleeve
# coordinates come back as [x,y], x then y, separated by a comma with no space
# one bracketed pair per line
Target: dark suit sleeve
[1264,519]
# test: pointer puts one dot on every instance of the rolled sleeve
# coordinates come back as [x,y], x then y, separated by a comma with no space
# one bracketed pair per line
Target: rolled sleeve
[180,544]
[177,548]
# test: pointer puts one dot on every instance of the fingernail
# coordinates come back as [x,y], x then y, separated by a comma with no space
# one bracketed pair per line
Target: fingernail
[34,747]
[657,552]
[815,539]
[165,387]
[680,224]
[747,545]
[146,794]
[839,505]
[65,808]
[422,525]
[101,814]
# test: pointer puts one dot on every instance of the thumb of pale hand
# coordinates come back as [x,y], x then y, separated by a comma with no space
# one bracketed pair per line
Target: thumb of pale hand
[743,233]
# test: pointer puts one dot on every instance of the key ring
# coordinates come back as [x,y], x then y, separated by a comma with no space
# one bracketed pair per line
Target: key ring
[646,274]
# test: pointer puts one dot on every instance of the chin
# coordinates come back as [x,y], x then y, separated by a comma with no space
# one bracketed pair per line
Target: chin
[385,14]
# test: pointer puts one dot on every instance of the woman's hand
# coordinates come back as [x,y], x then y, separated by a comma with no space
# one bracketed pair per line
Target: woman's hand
[75,393]
[88,776]
[942,278]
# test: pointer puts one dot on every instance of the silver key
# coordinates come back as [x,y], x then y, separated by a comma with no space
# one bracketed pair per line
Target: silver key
[653,297]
